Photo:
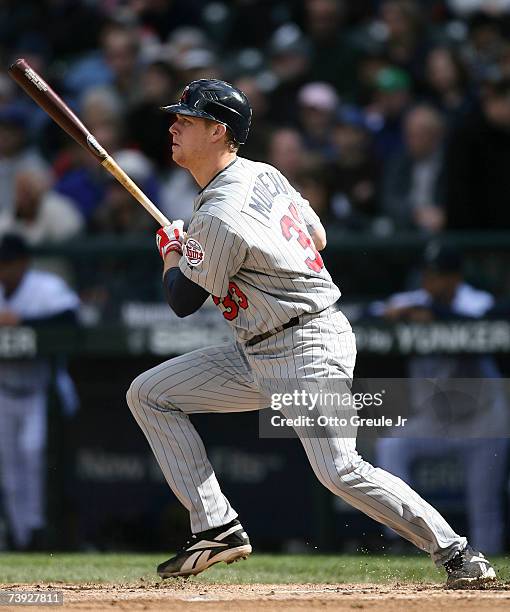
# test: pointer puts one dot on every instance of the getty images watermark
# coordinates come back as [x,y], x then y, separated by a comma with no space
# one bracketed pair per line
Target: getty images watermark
[396,407]
[342,401]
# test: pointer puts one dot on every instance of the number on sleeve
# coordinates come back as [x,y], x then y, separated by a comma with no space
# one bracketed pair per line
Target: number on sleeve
[231,302]
[293,221]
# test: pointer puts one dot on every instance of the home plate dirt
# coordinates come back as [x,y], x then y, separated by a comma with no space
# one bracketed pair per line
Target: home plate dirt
[279,597]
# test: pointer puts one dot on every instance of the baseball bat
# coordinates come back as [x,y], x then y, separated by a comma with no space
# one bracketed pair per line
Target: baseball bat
[43,95]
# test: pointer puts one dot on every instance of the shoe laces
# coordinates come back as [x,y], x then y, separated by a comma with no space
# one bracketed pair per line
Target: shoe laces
[455,563]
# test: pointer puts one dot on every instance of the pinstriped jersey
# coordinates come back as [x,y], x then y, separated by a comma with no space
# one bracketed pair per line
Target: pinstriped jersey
[248,244]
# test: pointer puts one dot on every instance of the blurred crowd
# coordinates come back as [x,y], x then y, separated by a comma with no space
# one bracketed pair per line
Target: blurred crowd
[388,115]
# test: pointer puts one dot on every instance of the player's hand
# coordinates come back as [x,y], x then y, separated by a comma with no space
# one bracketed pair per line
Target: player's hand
[420,315]
[170,238]
[395,313]
[7,317]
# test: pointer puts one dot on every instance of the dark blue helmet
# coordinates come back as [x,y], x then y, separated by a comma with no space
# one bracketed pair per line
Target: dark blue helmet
[442,258]
[216,100]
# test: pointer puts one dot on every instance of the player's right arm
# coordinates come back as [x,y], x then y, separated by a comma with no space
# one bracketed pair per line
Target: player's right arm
[213,253]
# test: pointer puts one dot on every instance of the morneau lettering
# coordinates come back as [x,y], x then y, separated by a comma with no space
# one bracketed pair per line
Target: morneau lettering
[266,188]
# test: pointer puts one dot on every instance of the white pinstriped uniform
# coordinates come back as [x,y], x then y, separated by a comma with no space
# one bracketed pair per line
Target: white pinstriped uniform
[23,390]
[269,273]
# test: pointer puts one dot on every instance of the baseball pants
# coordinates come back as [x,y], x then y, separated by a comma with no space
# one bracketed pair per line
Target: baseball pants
[22,462]
[233,378]
[484,461]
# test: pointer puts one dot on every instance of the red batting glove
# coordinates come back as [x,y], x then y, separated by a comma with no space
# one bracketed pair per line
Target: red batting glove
[170,238]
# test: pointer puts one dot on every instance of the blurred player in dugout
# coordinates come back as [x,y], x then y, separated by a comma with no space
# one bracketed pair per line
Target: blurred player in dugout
[33,298]
[444,422]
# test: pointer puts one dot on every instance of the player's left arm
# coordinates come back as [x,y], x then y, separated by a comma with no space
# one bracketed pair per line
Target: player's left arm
[312,220]
[318,236]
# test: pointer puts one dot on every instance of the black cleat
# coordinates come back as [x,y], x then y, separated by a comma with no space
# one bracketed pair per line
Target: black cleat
[227,543]
[469,569]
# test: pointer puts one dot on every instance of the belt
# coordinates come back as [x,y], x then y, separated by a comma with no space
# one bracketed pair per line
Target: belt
[291,323]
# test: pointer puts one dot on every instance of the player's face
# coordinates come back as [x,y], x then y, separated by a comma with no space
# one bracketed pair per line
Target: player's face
[11,273]
[441,286]
[190,140]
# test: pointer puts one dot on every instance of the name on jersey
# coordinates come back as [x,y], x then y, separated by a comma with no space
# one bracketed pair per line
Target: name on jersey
[267,186]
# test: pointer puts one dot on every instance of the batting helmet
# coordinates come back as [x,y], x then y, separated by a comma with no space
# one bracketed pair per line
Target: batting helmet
[216,100]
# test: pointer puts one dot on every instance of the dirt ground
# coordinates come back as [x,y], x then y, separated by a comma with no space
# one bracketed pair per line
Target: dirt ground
[181,596]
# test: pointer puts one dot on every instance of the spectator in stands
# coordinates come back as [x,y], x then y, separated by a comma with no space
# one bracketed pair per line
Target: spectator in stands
[29,298]
[405,41]
[249,24]
[15,153]
[197,64]
[449,414]
[121,53]
[7,91]
[40,215]
[391,98]
[318,106]
[182,40]
[147,126]
[117,65]
[333,55]
[446,84]
[73,38]
[287,153]
[257,145]
[177,194]
[119,212]
[464,8]
[413,189]
[485,43]
[313,186]
[354,174]
[81,178]
[477,162]
[100,105]
[161,16]
[371,63]
[289,61]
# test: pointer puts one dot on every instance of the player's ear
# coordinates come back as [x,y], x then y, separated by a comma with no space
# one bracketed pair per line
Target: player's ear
[219,132]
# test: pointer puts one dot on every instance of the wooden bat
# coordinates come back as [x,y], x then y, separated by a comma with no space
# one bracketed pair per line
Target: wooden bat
[43,95]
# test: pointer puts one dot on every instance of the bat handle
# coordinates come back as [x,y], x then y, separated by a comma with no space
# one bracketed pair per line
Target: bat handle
[115,170]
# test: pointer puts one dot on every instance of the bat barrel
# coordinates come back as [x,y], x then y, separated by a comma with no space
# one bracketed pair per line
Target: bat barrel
[37,88]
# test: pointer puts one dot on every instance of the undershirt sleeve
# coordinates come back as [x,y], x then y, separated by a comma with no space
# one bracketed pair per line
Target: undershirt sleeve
[183,295]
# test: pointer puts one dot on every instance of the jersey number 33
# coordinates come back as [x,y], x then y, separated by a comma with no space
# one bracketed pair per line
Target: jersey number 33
[293,221]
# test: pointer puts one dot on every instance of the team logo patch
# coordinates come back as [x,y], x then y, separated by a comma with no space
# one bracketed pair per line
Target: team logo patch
[193,252]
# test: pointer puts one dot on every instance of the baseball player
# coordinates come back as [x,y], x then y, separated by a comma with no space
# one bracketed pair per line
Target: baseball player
[444,294]
[253,244]
[34,298]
